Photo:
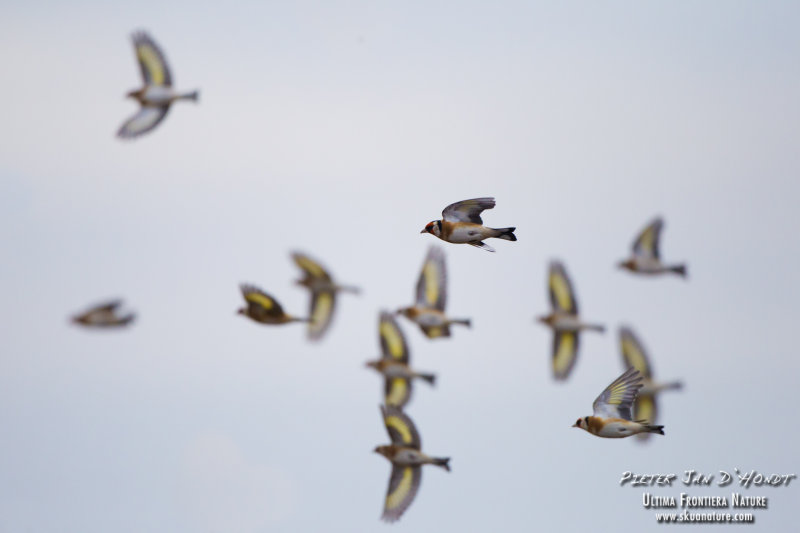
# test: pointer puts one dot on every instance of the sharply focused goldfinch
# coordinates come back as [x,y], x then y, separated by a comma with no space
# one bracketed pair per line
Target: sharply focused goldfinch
[263,308]
[646,258]
[394,364]
[461,224]
[323,294]
[407,460]
[612,410]
[156,95]
[564,321]
[428,312]
[104,316]
[635,356]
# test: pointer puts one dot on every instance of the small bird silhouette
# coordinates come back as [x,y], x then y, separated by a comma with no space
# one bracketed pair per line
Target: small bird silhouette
[263,308]
[564,321]
[645,258]
[323,294]
[428,312]
[407,459]
[612,410]
[461,224]
[156,95]
[635,356]
[105,315]
[394,363]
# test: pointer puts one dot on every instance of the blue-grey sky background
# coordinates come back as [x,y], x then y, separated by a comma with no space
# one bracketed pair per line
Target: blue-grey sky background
[340,129]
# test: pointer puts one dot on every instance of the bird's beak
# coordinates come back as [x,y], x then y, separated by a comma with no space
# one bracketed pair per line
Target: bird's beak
[424,231]
[575,425]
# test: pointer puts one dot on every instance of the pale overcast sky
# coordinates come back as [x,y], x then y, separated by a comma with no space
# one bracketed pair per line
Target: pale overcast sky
[340,129]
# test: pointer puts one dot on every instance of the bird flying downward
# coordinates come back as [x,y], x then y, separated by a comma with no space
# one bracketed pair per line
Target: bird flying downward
[461,224]
[156,94]
[612,410]
[635,356]
[407,459]
[394,363]
[263,308]
[105,315]
[323,294]
[645,257]
[564,321]
[428,312]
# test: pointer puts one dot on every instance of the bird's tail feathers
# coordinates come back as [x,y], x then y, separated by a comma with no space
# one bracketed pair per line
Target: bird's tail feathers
[596,327]
[655,429]
[506,233]
[430,378]
[679,269]
[194,96]
[674,385]
[463,321]
[349,288]
[444,462]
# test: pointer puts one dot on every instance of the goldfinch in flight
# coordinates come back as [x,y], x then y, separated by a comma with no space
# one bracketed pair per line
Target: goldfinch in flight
[461,224]
[323,294]
[564,321]
[635,356]
[156,95]
[612,410]
[263,308]
[407,460]
[393,363]
[645,257]
[105,315]
[428,312]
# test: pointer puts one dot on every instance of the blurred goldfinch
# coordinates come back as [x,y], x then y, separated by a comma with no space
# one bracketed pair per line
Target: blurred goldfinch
[564,321]
[428,313]
[323,294]
[635,356]
[263,308]
[105,315]
[156,95]
[407,459]
[394,363]
[645,258]
[461,224]
[612,410]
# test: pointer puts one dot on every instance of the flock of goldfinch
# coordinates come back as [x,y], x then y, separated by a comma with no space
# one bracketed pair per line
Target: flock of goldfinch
[626,407]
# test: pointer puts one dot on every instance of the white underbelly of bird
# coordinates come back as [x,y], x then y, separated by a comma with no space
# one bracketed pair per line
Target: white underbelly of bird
[620,429]
[471,233]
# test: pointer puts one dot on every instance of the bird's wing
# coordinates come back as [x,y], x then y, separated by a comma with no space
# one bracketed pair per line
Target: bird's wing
[397,391]
[617,399]
[432,283]
[321,312]
[633,353]
[151,60]
[565,353]
[145,120]
[400,427]
[403,486]
[261,303]
[393,342]
[646,244]
[562,297]
[467,210]
[311,268]
[644,408]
